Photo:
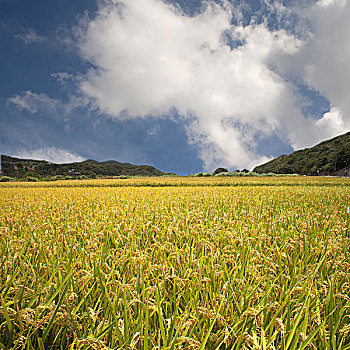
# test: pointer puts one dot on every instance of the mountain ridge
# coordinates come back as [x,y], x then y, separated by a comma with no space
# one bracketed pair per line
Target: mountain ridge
[329,157]
[20,167]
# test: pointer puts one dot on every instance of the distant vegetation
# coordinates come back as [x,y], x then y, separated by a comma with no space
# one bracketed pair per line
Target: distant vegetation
[34,170]
[236,173]
[331,157]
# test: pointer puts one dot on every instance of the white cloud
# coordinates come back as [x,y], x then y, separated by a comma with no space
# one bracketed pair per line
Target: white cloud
[150,58]
[326,3]
[33,102]
[330,125]
[30,36]
[42,103]
[323,62]
[333,121]
[51,154]
[326,58]
[63,78]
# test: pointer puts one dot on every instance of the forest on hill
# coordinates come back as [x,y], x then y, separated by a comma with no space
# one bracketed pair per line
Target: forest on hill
[331,157]
[20,168]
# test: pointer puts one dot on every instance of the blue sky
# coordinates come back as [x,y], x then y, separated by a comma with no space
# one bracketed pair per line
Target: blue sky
[185,86]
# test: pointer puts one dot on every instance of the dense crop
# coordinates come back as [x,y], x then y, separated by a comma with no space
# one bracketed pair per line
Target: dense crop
[190,182]
[176,265]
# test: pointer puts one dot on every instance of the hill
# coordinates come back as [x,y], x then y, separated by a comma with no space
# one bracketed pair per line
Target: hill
[331,157]
[19,168]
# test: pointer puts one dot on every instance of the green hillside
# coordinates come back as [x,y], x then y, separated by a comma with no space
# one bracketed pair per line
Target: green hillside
[331,157]
[19,168]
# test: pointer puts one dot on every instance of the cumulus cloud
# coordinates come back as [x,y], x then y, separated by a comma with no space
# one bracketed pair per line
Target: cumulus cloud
[333,121]
[326,3]
[323,64]
[331,124]
[325,60]
[51,154]
[150,58]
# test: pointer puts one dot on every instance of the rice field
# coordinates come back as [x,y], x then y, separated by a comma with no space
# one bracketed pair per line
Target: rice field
[175,263]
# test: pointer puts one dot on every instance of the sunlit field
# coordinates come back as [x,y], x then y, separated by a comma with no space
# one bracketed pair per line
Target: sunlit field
[175,263]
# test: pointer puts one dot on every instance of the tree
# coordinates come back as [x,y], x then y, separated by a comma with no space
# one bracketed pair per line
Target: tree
[32,174]
[220,170]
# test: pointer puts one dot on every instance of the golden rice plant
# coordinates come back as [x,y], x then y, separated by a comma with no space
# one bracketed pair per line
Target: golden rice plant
[175,263]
